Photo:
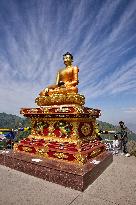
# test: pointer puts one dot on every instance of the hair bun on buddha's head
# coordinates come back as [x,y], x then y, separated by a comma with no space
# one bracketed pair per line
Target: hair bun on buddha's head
[121,122]
[68,54]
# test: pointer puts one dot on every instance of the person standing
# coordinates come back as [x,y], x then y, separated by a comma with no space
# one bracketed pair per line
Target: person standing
[123,138]
[116,144]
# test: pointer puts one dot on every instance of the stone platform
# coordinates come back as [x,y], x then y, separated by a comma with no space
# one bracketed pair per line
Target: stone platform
[75,176]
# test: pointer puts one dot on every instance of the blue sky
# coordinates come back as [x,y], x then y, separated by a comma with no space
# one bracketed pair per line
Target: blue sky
[101,35]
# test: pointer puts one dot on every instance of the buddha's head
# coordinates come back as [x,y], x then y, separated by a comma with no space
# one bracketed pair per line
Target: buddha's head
[68,59]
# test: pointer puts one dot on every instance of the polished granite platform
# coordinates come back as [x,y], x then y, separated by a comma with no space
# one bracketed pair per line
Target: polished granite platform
[75,176]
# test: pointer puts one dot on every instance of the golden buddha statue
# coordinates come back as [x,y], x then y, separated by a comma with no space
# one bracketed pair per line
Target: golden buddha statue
[66,81]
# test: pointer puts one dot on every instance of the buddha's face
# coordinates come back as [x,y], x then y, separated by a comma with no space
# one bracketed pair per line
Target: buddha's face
[67,60]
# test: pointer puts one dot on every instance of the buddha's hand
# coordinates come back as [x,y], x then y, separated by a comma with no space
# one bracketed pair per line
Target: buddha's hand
[61,83]
[67,85]
[71,84]
[44,92]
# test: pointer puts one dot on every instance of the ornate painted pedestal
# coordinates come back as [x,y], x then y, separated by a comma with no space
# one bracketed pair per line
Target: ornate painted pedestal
[62,146]
[62,132]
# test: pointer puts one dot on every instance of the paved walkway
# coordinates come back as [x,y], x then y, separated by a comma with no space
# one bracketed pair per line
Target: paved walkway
[117,185]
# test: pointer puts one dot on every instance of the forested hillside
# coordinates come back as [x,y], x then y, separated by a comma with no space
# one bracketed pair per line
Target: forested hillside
[109,127]
[14,122]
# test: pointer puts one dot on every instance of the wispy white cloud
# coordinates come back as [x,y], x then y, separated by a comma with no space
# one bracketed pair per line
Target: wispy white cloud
[38,34]
[121,80]
[131,110]
[126,20]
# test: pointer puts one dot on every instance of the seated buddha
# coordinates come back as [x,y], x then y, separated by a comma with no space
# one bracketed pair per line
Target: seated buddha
[67,79]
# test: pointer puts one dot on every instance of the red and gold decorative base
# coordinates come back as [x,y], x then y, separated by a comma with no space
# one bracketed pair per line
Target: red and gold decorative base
[63,140]
[57,150]
[64,132]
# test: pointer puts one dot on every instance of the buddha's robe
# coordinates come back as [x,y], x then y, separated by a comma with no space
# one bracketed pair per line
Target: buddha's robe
[67,79]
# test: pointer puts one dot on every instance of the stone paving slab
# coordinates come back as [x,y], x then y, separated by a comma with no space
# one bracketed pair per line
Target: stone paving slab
[17,188]
[116,185]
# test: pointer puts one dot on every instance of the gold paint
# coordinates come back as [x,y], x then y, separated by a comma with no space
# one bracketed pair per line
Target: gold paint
[15,147]
[61,155]
[42,152]
[65,119]
[85,129]
[80,158]
[27,149]
[95,152]
[79,109]
[53,138]
[34,110]
[75,135]
[62,109]
[46,110]
[61,99]
[72,137]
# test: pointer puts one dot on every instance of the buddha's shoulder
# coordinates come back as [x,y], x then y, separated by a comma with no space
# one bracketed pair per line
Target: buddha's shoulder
[76,68]
[61,70]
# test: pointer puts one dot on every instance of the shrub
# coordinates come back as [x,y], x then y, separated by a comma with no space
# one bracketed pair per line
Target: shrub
[131,147]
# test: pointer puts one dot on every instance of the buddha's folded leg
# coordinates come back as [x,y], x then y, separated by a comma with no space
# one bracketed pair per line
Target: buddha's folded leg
[57,91]
[63,90]
[46,91]
[42,93]
[72,90]
[52,86]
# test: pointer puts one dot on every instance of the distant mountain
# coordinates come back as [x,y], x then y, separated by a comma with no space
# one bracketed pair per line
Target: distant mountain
[132,127]
[13,121]
[109,127]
